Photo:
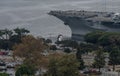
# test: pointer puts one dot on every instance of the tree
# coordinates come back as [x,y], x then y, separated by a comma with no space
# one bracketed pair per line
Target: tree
[68,43]
[99,60]
[66,65]
[114,57]
[53,47]
[21,31]
[7,33]
[85,48]
[93,37]
[25,70]
[53,67]
[4,74]
[31,50]
[67,50]
[1,34]
[109,38]
[48,41]
[15,39]
[8,38]
[79,58]
[103,38]
[6,44]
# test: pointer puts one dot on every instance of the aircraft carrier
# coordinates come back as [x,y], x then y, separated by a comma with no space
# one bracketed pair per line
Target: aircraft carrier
[82,22]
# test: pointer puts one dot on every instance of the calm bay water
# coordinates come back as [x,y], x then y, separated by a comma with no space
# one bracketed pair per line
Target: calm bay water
[32,14]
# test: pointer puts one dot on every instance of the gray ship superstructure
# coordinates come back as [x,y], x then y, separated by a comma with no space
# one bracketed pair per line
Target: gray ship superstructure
[82,22]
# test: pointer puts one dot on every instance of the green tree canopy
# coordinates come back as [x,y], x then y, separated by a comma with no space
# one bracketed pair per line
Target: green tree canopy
[8,38]
[99,60]
[25,70]
[86,47]
[67,50]
[103,38]
[4,74]
[68,43]
[110,38]
[53,47]
[114,57]
[79,58]
[21,31]
[93,37]
[48,41]
[66,65]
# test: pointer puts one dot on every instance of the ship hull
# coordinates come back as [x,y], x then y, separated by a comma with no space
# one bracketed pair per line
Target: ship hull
[79,26]
[111,25]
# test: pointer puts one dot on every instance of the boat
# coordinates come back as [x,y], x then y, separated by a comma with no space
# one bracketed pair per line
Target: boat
[82,22]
